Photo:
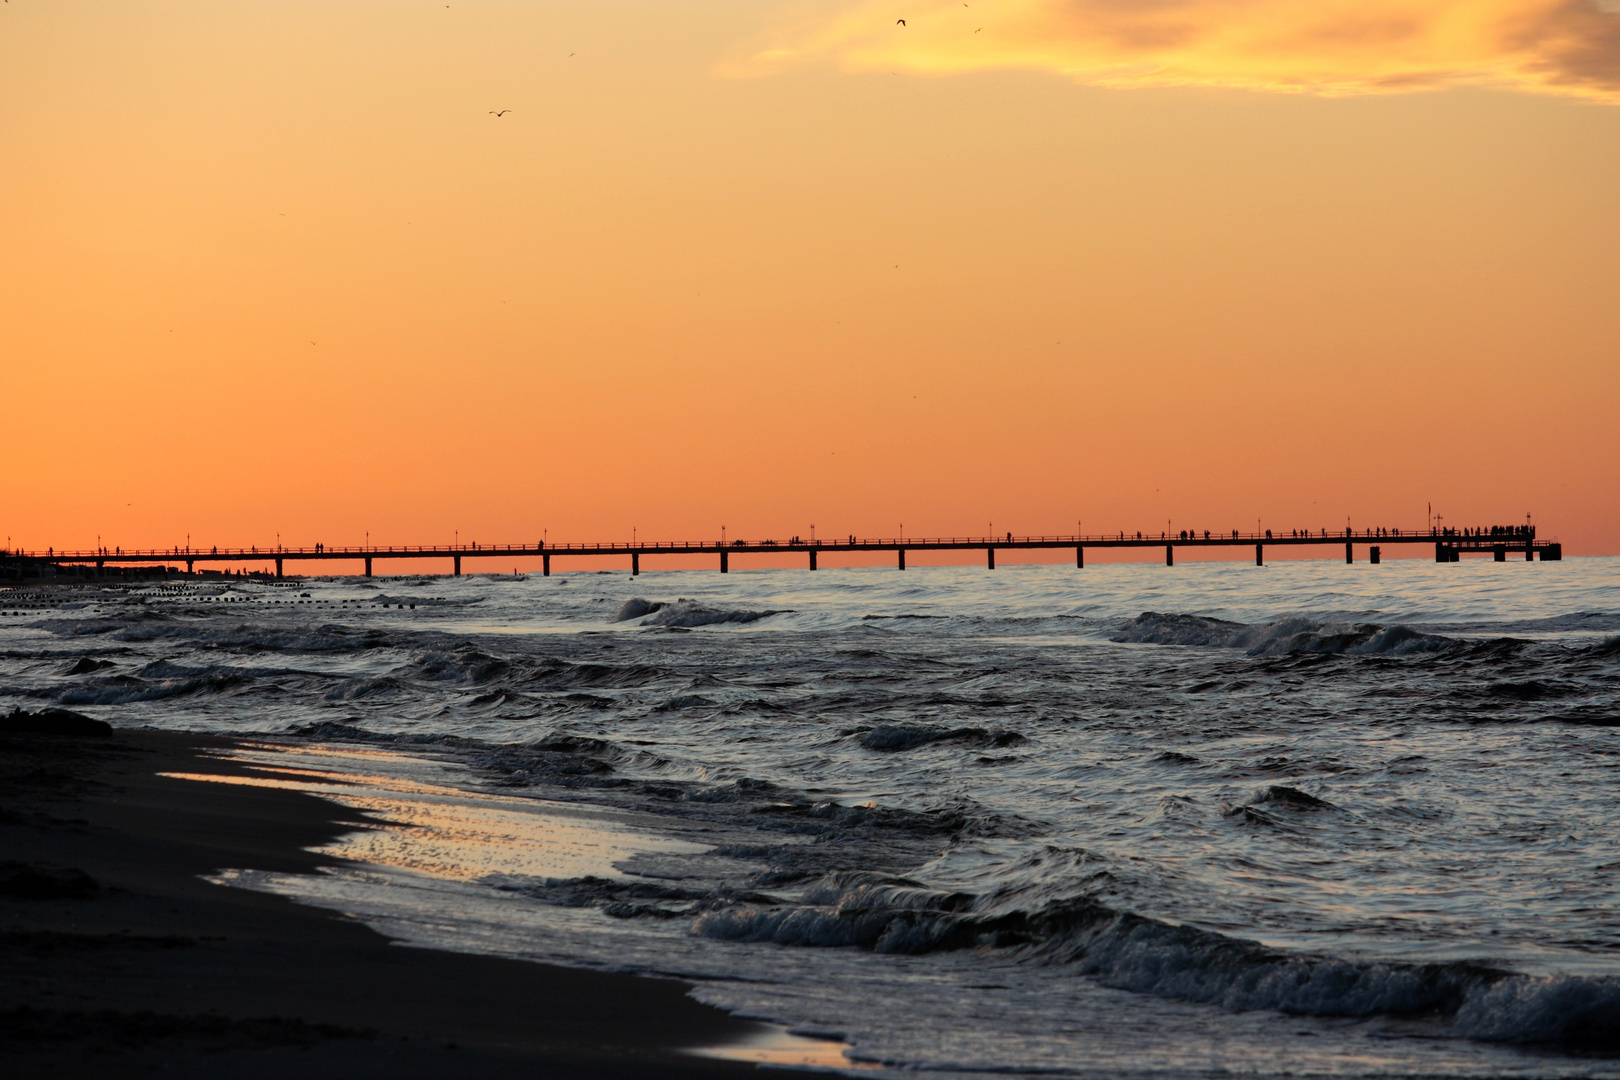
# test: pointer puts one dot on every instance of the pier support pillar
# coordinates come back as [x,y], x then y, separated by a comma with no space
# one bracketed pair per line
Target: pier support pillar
[457,559]
[1552,553]
[545,566]
[278,568]
[1529,552]
[990,557]
[1079,557]
[188,566]
[902,558]
[1349,552]
[724,569]
[635,563]
[1259,554]
[368,566]
[1169,555]
[1375,555]
[812,558]
[1500,551]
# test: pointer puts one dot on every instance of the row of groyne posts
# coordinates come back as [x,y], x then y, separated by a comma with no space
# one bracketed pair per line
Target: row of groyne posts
[1449,546]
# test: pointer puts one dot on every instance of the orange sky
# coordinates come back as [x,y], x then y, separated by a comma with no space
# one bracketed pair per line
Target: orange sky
[274,268]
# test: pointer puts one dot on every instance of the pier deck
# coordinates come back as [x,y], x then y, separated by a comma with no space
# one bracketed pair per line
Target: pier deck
[1449,546]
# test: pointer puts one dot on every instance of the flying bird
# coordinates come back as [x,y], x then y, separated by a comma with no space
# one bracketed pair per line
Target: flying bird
[500,114]
[897,22]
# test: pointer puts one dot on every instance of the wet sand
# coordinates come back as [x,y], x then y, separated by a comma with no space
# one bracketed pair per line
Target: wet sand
[117,959]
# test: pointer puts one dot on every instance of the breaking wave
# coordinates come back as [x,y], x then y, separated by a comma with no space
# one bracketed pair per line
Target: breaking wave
[1293,635]
[1149,956]
[685,613]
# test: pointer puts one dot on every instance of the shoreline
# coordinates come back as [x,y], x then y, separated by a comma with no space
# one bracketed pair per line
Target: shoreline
[116,954]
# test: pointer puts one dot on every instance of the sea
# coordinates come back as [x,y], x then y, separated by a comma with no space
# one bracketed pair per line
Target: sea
[1211,820]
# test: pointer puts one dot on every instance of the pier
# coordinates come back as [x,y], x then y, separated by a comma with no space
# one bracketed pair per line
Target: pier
[1449,545]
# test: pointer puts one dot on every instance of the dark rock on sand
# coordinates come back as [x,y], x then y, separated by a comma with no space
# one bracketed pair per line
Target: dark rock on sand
[34,881]
[52,722]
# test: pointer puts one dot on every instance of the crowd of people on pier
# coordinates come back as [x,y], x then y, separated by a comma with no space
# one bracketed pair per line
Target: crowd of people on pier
[1494,532]
[1491,532]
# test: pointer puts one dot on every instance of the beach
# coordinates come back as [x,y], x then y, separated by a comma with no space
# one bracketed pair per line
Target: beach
[118,958]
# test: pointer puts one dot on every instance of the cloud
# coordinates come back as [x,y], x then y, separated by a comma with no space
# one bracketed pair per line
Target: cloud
[1329,47]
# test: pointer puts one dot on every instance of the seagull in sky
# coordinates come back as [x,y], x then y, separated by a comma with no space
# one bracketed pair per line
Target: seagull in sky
[492,112]
[897,22]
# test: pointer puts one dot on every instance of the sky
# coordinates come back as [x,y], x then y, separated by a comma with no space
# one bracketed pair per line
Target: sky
[276,270]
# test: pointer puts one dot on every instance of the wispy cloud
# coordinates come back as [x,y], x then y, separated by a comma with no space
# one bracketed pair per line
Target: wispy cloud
[1335,47]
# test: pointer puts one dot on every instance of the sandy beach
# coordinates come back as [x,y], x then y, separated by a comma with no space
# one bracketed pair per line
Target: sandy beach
[117,958]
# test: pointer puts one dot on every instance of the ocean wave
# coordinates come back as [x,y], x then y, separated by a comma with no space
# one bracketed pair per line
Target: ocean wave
[896,737]
[1291,635]
[386,599]
[1149,956]
[563,675]
[129,689]
[685,613]
[464,664]
[143,626]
